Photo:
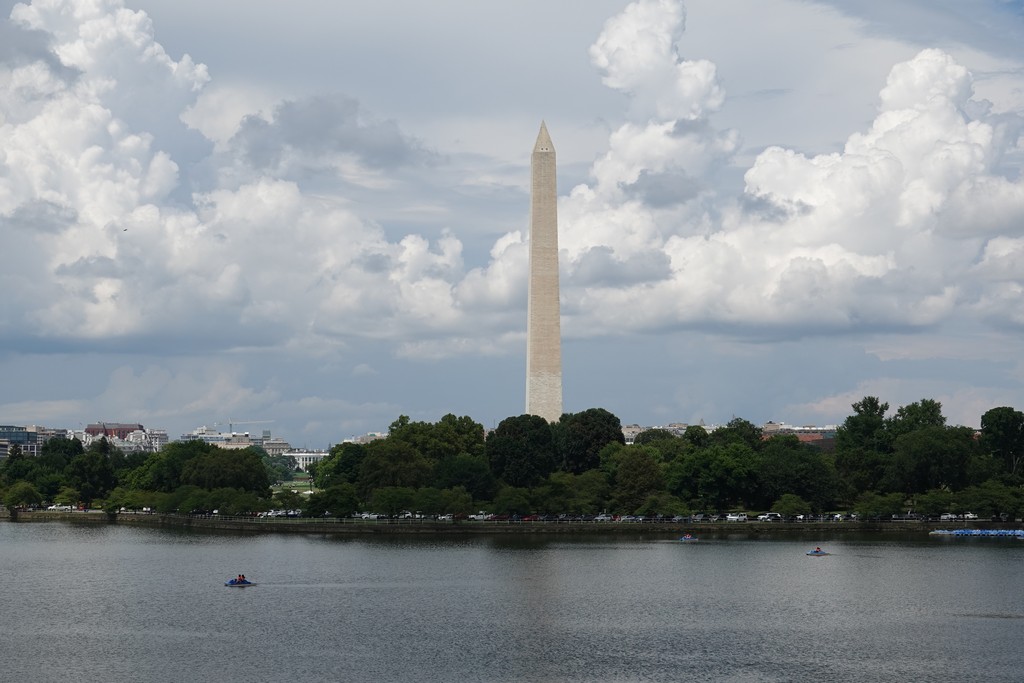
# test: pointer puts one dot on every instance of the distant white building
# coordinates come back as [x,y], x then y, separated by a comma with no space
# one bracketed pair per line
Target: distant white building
[366,438]
[137,441]
[276,446]
[303,459]
[273,445]
[630,432]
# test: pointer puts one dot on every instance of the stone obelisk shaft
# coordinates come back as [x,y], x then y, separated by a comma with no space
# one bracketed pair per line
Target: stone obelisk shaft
[543,326]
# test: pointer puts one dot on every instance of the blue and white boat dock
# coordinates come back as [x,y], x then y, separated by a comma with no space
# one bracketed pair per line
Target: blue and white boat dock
[1018,533]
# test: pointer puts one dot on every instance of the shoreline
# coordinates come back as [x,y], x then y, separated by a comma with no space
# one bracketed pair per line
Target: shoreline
[358,527]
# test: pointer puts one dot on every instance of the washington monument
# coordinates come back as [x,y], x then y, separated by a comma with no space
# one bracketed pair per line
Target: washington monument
[543,327]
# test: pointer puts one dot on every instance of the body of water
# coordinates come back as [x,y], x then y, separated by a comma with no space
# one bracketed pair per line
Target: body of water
[114,603]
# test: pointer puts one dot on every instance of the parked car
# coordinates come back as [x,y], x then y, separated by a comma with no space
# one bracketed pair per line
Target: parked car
[702,517]
[770,517]
[603,518]
[947,516]
[970,515]
[736,517]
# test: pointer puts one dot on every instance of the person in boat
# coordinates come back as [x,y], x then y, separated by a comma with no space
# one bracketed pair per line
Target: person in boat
[818,549]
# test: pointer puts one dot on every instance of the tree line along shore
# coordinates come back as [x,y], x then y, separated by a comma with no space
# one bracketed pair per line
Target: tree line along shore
[908,463]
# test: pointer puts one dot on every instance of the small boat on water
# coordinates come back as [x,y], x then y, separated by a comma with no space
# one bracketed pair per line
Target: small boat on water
[239,581]
[817,552]
[687,538]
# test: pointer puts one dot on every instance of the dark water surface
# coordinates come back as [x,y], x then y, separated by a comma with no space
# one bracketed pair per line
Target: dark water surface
[112,603]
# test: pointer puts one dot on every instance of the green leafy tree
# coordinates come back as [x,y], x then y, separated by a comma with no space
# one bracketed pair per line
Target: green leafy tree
[556,494]
[637,477]
[915,416]
[67,496]
[279,467]
[429,500]
[865,429]
[235,502]
[194,500]
[447,438]
[521,450]
[286,499]
[991,498]
[126,462]
[592,492]
[670,449]
[342,465]
[930,457]
[875,506]
[934,502]
[790,505]
[512,500]
[17,467]
[653,435]
[457,501]
[862,445]
[91,473]
[174,501]
[697,436]
[392,500]
[579,438]
[463,433]
[662,503]
[786,466]
[737,430]
[162,471]
[586,493]
[221,468]
[48,482]
[469,471]
[611,455]
[1002,435]
[714,478]
[984,466]
[22,494]
[338,500]
[58,451]
[393,463]
[120,497]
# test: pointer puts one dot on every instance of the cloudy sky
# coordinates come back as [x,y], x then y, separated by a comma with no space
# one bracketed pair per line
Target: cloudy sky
[311,217]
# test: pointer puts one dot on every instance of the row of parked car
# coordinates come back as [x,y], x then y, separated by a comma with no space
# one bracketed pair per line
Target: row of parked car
[697,518]
[770,517]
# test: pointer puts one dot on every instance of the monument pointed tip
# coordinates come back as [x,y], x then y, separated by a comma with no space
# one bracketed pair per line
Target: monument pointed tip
[543,143]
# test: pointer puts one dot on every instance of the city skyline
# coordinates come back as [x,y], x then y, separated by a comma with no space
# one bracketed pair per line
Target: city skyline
[317,213]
